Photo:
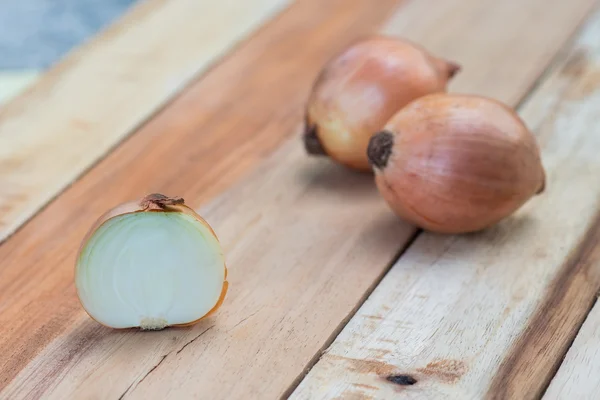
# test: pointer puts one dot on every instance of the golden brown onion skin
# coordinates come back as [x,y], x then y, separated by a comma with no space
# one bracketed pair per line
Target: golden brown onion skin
[456,163]
[358,92]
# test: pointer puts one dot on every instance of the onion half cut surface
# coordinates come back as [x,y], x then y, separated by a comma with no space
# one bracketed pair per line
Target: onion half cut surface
[151,269]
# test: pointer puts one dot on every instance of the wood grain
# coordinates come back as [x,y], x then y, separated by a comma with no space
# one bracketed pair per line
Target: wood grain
[490,315]
[288,297]
[577,377]
[101,92]
[215,132]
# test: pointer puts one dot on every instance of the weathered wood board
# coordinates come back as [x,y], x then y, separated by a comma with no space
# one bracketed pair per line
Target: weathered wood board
[306,241]
[103,91]
[490,315]
[196,147]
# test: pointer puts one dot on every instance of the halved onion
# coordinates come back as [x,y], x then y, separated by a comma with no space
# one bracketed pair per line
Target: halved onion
[150,264]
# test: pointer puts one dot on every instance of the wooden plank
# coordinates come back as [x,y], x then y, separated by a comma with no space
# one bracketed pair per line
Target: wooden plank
[490,315]
[221,127]
[577,377]
[465,32]
[100,93]
[287,297]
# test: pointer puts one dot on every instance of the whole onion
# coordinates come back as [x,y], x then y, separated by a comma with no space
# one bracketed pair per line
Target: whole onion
[359,90]
[456,163]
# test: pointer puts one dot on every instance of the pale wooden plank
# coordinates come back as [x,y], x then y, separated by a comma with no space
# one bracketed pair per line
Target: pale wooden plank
[15,82]
[490,315]
[288,296]
[577,377]
[464,31]
[101,92]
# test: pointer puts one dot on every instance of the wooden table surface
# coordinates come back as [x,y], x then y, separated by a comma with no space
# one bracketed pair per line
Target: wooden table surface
[331,295]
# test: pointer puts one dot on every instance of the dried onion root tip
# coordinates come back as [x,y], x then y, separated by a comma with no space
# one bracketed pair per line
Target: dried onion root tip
[150,264]
[456,163]
[360,90]
[312,144]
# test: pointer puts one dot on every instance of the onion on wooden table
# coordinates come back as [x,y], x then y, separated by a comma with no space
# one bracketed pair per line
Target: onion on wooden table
[446,247]
[151,264]
[360,89]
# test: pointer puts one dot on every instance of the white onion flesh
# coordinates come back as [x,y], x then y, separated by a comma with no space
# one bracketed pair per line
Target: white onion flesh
[150,270]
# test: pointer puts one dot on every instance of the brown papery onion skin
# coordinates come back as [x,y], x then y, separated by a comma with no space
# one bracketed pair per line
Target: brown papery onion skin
[156,202]
[456,163]
[359,90]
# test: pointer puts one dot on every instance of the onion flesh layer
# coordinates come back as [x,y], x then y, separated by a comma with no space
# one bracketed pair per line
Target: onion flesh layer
[150,269]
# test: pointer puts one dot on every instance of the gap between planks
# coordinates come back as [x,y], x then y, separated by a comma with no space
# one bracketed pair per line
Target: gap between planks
[491,315]
[100,93]
[343,323]
[76,357]
[577,377]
